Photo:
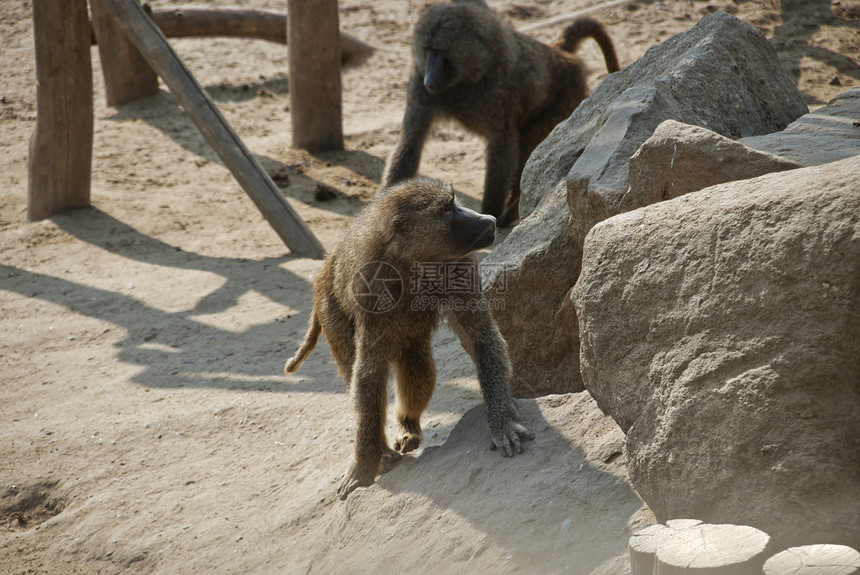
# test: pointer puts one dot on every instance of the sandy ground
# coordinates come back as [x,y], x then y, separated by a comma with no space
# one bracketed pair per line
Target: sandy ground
[145,424]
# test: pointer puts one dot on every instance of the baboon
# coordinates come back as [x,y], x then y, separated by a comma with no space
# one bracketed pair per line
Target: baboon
[498,83]
[406,261]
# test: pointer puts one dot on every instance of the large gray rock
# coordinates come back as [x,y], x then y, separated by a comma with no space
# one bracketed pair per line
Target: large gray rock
[539,335]
[826,135]
[679,158]
[722,74]
[721,331]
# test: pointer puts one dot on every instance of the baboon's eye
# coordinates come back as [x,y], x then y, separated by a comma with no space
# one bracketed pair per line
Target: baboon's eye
[449,207]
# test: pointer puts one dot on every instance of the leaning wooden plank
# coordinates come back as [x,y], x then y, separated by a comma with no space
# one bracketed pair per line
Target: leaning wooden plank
[194,21]
[143,32]
[126,73]
[61,147]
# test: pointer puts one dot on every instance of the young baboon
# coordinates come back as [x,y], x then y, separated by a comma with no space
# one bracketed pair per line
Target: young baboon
[379,296]
[498,83]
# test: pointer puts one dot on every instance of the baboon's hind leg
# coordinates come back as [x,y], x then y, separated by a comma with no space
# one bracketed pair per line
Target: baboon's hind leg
[340,333]
[370,397]
[414,383]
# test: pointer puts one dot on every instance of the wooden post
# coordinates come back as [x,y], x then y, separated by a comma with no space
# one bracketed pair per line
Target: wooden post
[314,70]
[127,75]
[149,40]
[688,546]
[61,147]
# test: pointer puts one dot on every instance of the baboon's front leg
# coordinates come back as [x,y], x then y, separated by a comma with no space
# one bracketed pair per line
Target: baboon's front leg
[414,383]
[512,207]
[480,336]
[502,155]
[406,156]
[370,380]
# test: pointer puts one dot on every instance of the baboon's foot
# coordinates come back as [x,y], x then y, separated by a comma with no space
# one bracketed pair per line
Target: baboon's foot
[357,476]
[409,436]
[507,436]
[407,442]
[389,460]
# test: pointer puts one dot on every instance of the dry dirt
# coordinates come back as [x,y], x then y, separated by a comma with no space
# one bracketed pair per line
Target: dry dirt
[145,424]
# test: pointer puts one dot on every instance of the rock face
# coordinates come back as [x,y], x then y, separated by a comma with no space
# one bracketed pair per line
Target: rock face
[679,158]
[721,331]
[826,135]
[541,333]
[722,75]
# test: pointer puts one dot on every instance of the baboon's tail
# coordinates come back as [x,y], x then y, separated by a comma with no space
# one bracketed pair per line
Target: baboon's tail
[586,27]
[314,329]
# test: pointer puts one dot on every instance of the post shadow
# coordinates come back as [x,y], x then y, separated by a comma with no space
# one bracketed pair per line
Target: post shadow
[162,113]
[174,348]
[797,27]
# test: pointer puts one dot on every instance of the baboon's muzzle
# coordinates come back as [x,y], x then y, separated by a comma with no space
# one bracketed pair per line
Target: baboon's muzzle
[472,231]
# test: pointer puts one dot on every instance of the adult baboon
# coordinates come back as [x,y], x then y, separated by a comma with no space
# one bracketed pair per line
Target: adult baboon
[498,83]
[378,297]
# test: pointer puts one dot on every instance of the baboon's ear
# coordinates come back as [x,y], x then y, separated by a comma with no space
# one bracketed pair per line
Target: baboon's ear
[398,227]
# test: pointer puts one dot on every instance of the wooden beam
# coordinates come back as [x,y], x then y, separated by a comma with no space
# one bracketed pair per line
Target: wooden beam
[61,147]
[149,40]
[565,18]
[197,21]
[315,88]
[126,73]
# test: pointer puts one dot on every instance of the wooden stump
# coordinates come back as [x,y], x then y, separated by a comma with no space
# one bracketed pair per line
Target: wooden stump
[126,73]
[314,71]
[678,524]
[715,550]
[814,560]
[644,544]
[61,146]
[643,547]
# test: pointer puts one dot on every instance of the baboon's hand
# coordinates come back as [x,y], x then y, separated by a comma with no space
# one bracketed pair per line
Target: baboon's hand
[508,437]
[357,476]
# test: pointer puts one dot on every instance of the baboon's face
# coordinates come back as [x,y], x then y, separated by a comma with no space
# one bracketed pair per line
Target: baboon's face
[439,73]
[430,225]
[450,46]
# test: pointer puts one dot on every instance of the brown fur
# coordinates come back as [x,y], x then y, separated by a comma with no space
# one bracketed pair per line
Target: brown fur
[414,222]
[500,84]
